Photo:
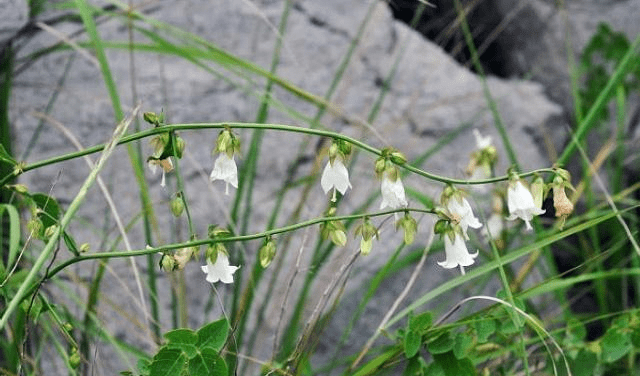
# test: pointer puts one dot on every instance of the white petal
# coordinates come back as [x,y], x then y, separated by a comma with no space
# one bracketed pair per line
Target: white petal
[220,271]
[224,168]
[481,141]
[392,194]
[456,253]
[520,203]
[464,211]
[335,176]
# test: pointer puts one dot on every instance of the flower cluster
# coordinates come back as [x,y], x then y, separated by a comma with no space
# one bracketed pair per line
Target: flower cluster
[456,215]
[165,146]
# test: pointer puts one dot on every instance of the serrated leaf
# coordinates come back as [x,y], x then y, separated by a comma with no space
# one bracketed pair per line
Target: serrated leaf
[615,345]
[442,344]
[462,344]
[213,335]
[412,342]
[167,362]
[207,363]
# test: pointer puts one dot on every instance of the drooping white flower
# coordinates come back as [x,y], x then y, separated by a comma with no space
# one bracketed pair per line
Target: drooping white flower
[392,193]
[336,176]
[456,253]
[224,168]
[165,164]
[460,208]
[520,203]
[221,270]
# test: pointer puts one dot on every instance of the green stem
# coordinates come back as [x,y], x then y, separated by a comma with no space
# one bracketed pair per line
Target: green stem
[230,239]
[276,127]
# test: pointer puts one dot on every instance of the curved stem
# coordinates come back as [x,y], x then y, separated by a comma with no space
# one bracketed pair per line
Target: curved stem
[275,127]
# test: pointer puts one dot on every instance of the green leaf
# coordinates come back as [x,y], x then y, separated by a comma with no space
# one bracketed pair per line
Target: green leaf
[168,362]
[584,363]
[442,344]
[615,345]
[6,157]
[415,367]
[49,207]
[452,366]
[70,243]
[463,342]
[14,233]
[421,322]
[207,363]
[184,340]
[412,342]
[484,327]
[213,335]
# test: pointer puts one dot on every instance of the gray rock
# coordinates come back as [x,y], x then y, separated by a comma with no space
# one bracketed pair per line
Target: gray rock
[430,95]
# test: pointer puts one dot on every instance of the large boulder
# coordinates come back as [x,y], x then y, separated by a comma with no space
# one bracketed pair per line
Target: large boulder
[429,96]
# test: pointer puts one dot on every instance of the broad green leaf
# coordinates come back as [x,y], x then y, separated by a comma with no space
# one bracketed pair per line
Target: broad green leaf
[415,367]
[442,344]
[50,209]
[462,344]
[615,345]
[452,366]
[485,327]
[412,342]
[213,335]
[421,322]
[584,363]
[207,363]
[184,340]
[167,362]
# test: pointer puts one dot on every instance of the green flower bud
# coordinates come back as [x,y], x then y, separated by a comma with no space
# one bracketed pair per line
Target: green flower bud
[380,166]
[216,231]
[181,257]
[74,358]
[151,118]
[365,246]
[409,226]
[49,231]
[267,252]
[67,327]
[224,141]
[18,188]
[85,247]
[167,263]
[398,158]
[177,205]
[338,237]
[368,231]
[442,226]
[180,145]
[34,226]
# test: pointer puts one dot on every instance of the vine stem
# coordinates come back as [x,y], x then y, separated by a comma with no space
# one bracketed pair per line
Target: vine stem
[276,127]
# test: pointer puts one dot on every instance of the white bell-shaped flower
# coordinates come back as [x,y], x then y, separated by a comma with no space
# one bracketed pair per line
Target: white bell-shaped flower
[481,141]
[224,168]
[494,227]
[392,193]
[456,253]
[221,270]
[336,176]
[520,203]
[460,208]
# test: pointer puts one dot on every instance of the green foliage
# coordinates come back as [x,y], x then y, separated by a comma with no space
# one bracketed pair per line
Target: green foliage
[188,352]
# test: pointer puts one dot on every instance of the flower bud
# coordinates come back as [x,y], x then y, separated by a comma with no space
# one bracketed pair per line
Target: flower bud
[442,226]
[180,145]
[409,226]
[338,237]
[267,252]
[167,263]
[49,231]
[34,226]
[151,118]
[74,358]
[368,231]
[216,231]
[181,257]
[177,205]
[85,247]
[398,158]
[224,141]
[18,188]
